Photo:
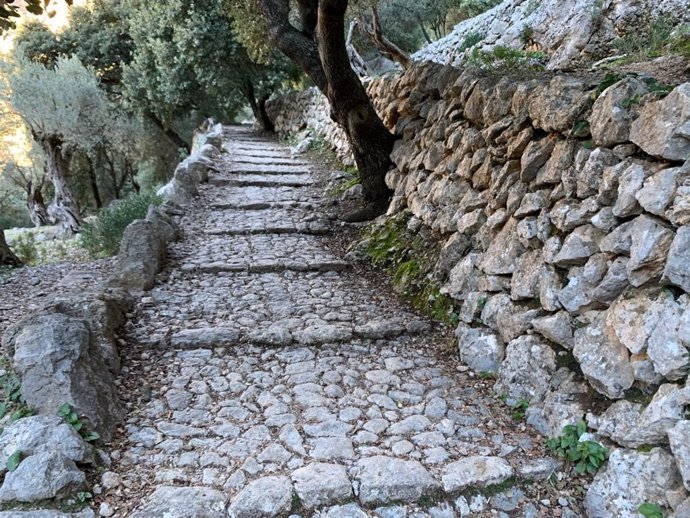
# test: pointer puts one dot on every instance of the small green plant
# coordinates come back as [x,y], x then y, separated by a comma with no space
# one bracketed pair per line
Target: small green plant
[519,409]
[471,40]
[84,496]
[12,402]
[587,456]
[14,460]
[102,237]
[651,510]
[527,35]
[507,58]
[25,248]
[486,375]
[72,418]
[659,37]
[609,80]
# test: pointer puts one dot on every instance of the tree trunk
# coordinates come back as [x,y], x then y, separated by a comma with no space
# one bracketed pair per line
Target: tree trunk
[37,207]
[93,182]
[64,209]
[325,60]
[356,61]
[375,34]
[7,257]
[258,107]
[351,107]
[170,133]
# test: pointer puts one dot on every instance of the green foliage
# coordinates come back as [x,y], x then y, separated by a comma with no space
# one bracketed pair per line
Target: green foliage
[609,80]
[12,401]
[102,237]
[506,58]
[84,496]
[519,409]
[661,36]
[486,375]
[587,456]
[10,11]
[72,418]
[471,40]
[14,460]
[651,510]
[409,260]
[24,246]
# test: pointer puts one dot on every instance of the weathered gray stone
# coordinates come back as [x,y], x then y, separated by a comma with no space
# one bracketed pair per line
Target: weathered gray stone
[659,130]
[677,268]
[183,502]
[59,362]
[527,369]
[42,434]
[463,277]
[476,472]
[142,254]
[610,120]
[604,362]
[384,480]
[47,513]
[679,212]
[42,476]
[659,190]
[589,176]
[650,244]
[619,240]
[617,421]
[614,283]
[501,256]
[322,484]
[631,180]
[205,337]
[481,350]
[629,479]
[579,246]
[535,156]
[266,497]
[679,439]
[557,328]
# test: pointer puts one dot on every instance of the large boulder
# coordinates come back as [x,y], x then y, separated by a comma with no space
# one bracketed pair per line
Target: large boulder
[663,127]
[141,256]
[527,369]
[59,362]
[629,479]
[611,117]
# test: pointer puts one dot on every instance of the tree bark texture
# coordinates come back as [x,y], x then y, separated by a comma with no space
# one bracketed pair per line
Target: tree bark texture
[64,209]
[375,34]
[38,211]
[325,60]
[258,107]
[356,61]
[7,257]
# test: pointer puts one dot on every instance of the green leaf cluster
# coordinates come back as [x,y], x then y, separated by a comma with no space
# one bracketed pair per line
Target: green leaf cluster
[651,510]
[72,418]
[587,456]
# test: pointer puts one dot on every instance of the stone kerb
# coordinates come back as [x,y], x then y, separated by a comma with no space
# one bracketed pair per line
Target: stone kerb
[67,353]
[569,212]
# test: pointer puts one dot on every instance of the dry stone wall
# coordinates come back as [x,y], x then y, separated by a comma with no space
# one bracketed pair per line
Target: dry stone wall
[565,222]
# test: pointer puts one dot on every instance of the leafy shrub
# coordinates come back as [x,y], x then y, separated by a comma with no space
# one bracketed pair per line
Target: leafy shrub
[102,237]
[24,246]
[587,456]
[507,58]
[651,510]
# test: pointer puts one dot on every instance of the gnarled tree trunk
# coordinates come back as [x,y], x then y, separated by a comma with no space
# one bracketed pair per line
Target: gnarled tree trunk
[258,107]
[319,49]
[375,34]
[37,207]
[64,209]
[7,257]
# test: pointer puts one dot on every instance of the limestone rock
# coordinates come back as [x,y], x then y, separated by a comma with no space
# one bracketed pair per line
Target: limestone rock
[649,248]
[679,438]
[501,256]
[527,369]
[58,362]
[266,497]
[142,254]
[183,502]
[631,181]
[480,350]
[41,434]
[677,268]
[384,480]
[604,362]
[579,246]
[631,478]
[42,476]
[320,484]
[661,130]
[658,190]
[476,472]
[205,337]
[610,121]
[557,328]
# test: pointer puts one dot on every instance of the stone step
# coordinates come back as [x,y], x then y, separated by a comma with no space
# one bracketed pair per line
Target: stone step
[267,267]
[274,161]
[262,205]
[266,170]
[269,229]
[246,195]
[262,181]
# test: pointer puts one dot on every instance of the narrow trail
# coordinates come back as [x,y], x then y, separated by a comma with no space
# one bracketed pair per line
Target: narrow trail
[263,375]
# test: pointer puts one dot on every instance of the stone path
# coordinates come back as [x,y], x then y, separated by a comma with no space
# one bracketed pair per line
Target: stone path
[266,378]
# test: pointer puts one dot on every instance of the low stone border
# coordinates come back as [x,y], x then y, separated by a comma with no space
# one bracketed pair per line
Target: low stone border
[66,353]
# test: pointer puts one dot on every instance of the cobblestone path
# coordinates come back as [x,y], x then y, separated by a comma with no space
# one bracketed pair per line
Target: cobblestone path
[265,378]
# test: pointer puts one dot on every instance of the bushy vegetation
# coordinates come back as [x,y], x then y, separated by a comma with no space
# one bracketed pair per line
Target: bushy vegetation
[587,456]
[661,36]
[502,57]
[102,236]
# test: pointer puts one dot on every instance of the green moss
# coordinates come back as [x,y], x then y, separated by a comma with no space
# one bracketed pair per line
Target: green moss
[410,259]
